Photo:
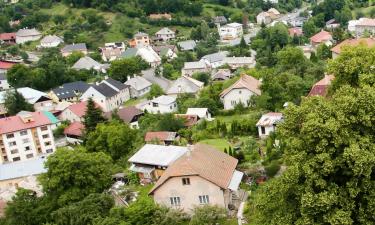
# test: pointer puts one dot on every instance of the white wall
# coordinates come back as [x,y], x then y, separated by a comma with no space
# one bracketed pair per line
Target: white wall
[21,40]
[67,114]
[236,96]
[268,130]
[161,108]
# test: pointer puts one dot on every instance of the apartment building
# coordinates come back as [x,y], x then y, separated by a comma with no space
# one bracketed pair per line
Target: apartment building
[26,136]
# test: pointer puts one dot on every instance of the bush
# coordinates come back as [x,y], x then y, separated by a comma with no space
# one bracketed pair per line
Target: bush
[272,168]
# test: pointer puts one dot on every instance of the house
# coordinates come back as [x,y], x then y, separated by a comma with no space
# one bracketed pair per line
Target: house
[4,66]
[202,113]
[161,81]
[51,41]
[369,42]
[165,34]
[323,37]
[295,32]
[27,136]
[189,120]
[267,123]
[202,176]
[185,84]
[194,67]
[332,24]
[168,51]
[320,88]
[221,74]
[297,21]
[215,60]
[109,94]
[69,49]
[264,18]
[274,13]
[4,85]
[112,51]
[8,38]
[151,160]
[74,112]
[161,104]
[188,45]
[146,53]
[307,50]
[129,115]
[230,31]
[87,63]
[160,16]
[161,137]
[365,25]
[70,92]
[140,39]
[238,62]
[74,132]
[139,86]
[240,92]
[221,20]
[25,35]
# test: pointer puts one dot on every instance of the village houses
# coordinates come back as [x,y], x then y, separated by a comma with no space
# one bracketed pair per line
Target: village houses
[267,123]
[165,34]
[139,86]
[25,35]
[230,31]
[161,104]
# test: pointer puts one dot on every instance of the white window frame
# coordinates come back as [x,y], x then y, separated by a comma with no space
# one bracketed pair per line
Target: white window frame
[175,201]
[204,199]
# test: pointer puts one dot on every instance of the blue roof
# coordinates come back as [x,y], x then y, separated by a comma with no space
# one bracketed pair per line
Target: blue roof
[22,168]
[51,117]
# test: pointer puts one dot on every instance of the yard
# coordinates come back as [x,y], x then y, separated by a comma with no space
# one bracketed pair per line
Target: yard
[218,143]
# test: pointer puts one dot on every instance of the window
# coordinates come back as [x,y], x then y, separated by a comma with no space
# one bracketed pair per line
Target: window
[45,136]
[49,150]
[170,107]
[16,159]
[14,151]
[185,181]
[263,129]
[29,156]
[175,201]
[155,104]
[10,135]
[26,140]
[44,128]
[23,132]
[203,199]
[47,143]
[5,158]
[27,148]
[13,143]
[239,92]
[233,102]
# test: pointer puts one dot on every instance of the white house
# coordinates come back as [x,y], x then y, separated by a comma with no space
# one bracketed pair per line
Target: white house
[74,112]
[165,34]
[185,85]
[365,25]
[51,41]
[139,86]
[87,63]
[202,113]
[264,18]
[161,104]
[237,62]
[230,31]
[109,94]
[188,45]
[240,92]
[146,53]
[267,123]
[25,35]
[194,67]
[215,60]
[4,85]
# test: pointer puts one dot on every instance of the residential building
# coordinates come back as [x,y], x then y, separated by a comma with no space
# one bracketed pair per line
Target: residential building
[140,39]
[369,42]
[202,176]
[295,32]
[51,41]
[146,53]
[202,113]
[109,94]
[221,20]
[365,25]
[4,85]
[320,88]
[240,92]
[221,74]
[185,85]
[215,60]
[139,86]
[194,67]
[129,115]
[4,66]
[230,31]
[150,75]
[161,104]
[8,38]
[112,51]
[168,51]
[189,120]
[74,132]
[188,45]
[69,49]
[87,63]
[323,37]
[332,24]
[274,13]
[161,137]
[151,160]
[264,18]
[267,123]
[160,16]
[165,34]
[238,62]
[74,112]
[70,92]
[25,35]
[27,136]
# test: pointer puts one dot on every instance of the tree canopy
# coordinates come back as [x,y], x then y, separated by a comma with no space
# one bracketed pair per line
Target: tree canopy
[15,102]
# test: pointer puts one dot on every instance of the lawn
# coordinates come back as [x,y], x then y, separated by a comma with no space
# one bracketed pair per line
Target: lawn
[218,143]
[134,101]
[366,11]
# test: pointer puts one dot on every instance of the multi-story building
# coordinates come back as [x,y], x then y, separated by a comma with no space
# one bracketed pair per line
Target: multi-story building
[230,31]
[26,136]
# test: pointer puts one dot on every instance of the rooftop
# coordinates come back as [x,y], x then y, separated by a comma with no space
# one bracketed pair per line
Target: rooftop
[320,88]
[195,65]
[51,38]
[127,114]
[74,47]
[187,45]
[27,32]
[270,119]
[69,90]
[160,135]
[164,100]
[200,112]
[31,95]
[247,82]
[22,168]
[75,128]
[6,65]
[369,42]
[7,36]
[79,109]
[185,84]
[138,83]
[322,36]
[87,63]
[165,31]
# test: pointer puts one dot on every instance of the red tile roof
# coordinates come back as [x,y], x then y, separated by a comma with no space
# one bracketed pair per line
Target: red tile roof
[79,109]
[6,65]
[245,81]
[16,123]
[321,87]
[295,31]
[322,36]
[161,136]
[75,128]
[8,36]
[369,42]
[204,161]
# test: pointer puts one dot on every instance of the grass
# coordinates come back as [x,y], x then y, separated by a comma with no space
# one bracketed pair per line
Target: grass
[366,11]
[218,143]
[134,101]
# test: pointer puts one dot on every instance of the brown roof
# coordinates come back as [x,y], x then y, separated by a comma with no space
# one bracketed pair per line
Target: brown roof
[75,128]
[7,36]
[295,31]
[322,36]
[189,120]
[160,135]
[370,42]
[204,161]
[126,114]
[245,81]
[321,87]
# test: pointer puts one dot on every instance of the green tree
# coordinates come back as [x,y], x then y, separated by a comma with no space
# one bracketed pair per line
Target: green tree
[329,152]
[203,77]
[309,28]
[18,76]
[93,116]
[113,138]
[323,52]
[73,174]
[74,57]
[155,91]
[208,215]
[123,68]
[15,102]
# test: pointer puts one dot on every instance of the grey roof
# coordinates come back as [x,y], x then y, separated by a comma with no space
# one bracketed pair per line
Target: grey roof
[74,47]
[164,99]
[236,180]
[138,83]
[165,31]
[22,168]
[220,19]
[185,84]
[70,90]
[158,155]
[31,95]
[195,65]
[87,63]
[27,32]
[215,57]
[161,81]
[105,90]
[140,34]
[130,52]
[51,38]
[187,45]
[115,83]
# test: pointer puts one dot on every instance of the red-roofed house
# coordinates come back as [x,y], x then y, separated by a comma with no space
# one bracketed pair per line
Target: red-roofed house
[8,38]
[74,132]
[295,31]
[4,66]
[240,92]
[323,37]
[164,137]
[74,112]
[321,87]
[369,42]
